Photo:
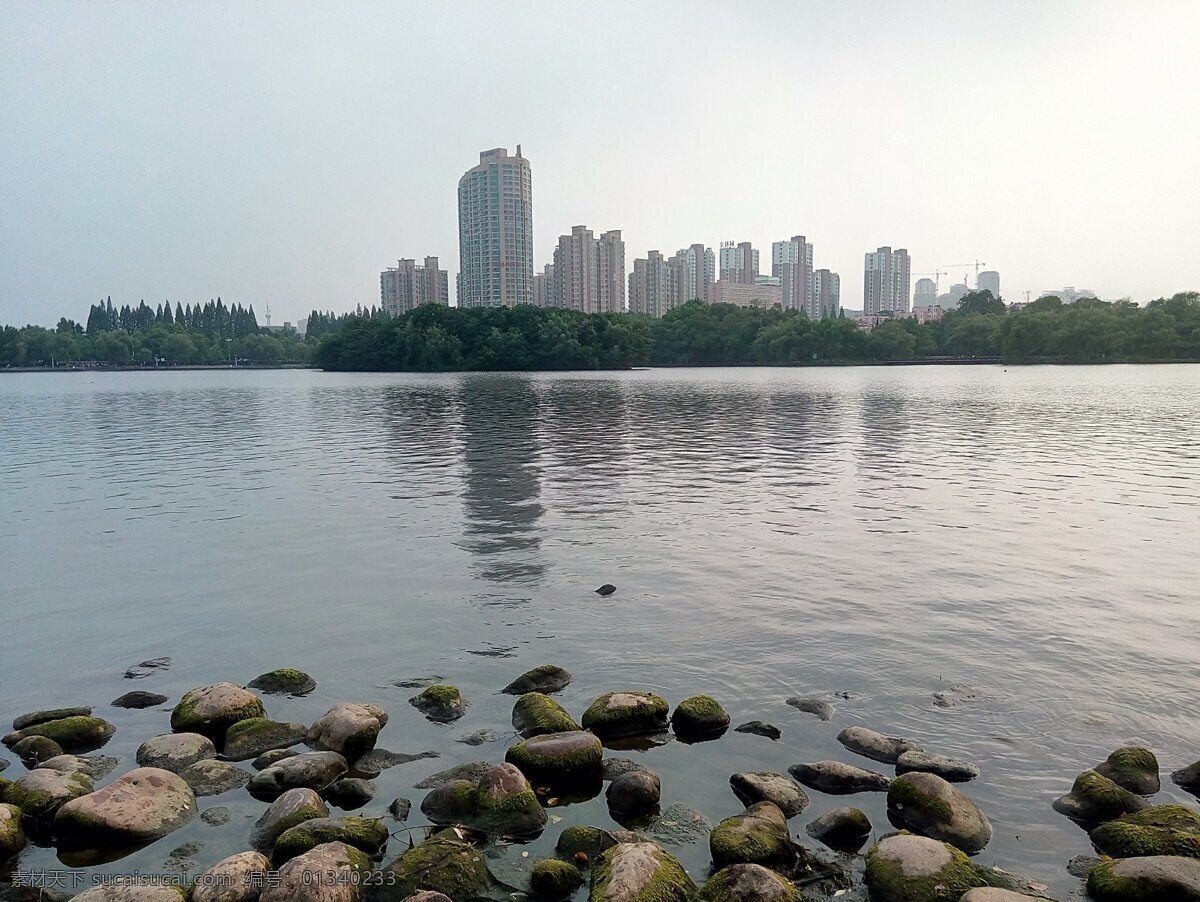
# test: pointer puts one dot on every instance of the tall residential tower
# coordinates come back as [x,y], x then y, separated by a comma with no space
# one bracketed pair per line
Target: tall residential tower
[407,286]
[886,275]
[495,231]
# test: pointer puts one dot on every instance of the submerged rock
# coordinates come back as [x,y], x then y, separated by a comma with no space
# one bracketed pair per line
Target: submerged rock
[33,750]
[478,737]
[606,589]
[560,759]
[907,868]
[472,771]
[759,728]
[349,729]
[836,778]
[749,883]
[146,668]
[699,717]
[284,681]
[349,793]
[677,825]
[365,834]
[75,733]
[441,703]
[238,878]
[143,805]
[618,714]
[759,835]
[12,836]
[546,679]
[333,872]
[611,768]
[444,863]
[947,768]
[216,817]
[266,759]
[36,717]
[1141,879]
[175,751]
[590,842]
[843,829]
[210,777]
[255,736]
[957,695]
[633,796]
[399,809]
[875,745]
[41,791]
[822,709]
[501,803]
[212,710]
[927,804]
[1096,798]
[1159,830]
[639,872]
[293,807]
[311,770]
[138,700]
[762,786]
[1133,768]
[1188,778]
[535,714]
[378,760]
[552,878]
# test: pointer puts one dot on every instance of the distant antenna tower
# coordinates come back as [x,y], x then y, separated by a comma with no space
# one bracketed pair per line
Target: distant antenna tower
[267,314]
[1027,294]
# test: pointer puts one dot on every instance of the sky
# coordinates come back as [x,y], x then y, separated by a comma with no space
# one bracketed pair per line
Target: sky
[283,153]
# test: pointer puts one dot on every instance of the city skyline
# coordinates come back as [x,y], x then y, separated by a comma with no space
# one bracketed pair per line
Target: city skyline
[167,152]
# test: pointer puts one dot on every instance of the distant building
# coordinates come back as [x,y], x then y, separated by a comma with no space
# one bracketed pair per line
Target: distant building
[695,271]
[759,294]
[407,286]
[650,290]
[495,231]
[739,262]
[949,300]
[612,272]
[588,274]
[925,293]
[927,313]
[302,327]
[824,294]
[886,275]
[543,287]
[1070,294]
[792,264]
[988,280]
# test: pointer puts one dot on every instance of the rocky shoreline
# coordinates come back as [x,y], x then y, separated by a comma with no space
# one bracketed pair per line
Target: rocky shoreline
[299,850]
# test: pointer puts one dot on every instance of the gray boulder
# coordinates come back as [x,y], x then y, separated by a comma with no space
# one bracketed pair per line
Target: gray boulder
[143,805]
[175,751]
[836,778]
[349,729]
[256,736]
[138,700]
[266,759]
[546,679]
[874,745]
[212,710]
[762,786]
[36,717]
[41,791]
[927,804]
[947,768]
[843,829]
[759,728]
[1133,767]
[238,878]
[1154,877]
[293,807]
[822,709]
[210,777]
[311,770]
[333,872]
[634,796]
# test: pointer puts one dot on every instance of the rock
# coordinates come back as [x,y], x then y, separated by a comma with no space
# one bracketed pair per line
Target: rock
[554,879]
[535,714]
[33,750]
[12,835]
[377,760]
[215,817]
[758,728]
[3,765]
[175,751]
[993,894]
[1096,798]
[256,736]
[837,778]
[700,716]
[768,787]
[1158,830]
[1188,778]
[749,883]
[822,709]
[907,868]
[349,729]
[1133,768]
[266,759]
[589,842]
[132,891]
[676,825]
[146,668]
[559,759]
[842,829]
[238,878]
[143,805]
[349,793]
[759,835]
[311,770]
[212,710]
[442,864]
[956,695]
[618,714]
[399,809]
[1142,879]
[440,703]
[639,872]
[947,768]
[210,777]
[284,681]
[41,791]
[546,679]
[362,833]
[1081,865]
[611,768]
[606,589]
[426,896]
[138,700]
[634,795]
[472,771]
[333,872]
[37,717]
[927,804]
[293,807]
[74,734]
[478,737]
[501,803]
[874,745]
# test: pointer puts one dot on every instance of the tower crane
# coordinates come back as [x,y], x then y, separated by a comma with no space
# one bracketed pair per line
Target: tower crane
[937,275]
[977,264]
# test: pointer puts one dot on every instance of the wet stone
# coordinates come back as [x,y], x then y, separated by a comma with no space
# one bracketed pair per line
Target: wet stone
[147,668]
[215,817]
[138,700]
[211,777]
[399,809]
[611,768]
[759,728]
[823,710]
[479,737]
[471,771]
[36,717]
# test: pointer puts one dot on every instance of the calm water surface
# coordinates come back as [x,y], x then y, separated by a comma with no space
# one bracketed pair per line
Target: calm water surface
[880,532]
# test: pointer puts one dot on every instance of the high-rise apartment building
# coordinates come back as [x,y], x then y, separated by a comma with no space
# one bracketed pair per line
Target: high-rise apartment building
[407,286]
[589,273]
[695,271]
[612,272]
[495,231]
[792,264]
[886,275]
[651,289]
[739,262]
[925,293]
[543,287]
[988,280]
[824,294]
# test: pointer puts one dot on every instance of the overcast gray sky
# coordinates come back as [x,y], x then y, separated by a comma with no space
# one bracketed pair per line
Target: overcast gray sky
[284,153]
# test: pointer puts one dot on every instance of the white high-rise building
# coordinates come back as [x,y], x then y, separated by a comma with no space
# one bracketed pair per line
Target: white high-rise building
[739,262]
[792,263]
[495,231]
[988,281]
[543,287]
[886,276]
[407,286]
[696,272]
[588,273]
[824,294]
[651,291]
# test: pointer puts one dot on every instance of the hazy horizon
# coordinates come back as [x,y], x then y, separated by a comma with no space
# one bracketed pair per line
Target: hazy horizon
[285,153]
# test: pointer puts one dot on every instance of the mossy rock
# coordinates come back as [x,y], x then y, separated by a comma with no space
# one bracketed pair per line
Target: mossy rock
[590,842]
[1188,778]
[559,759]
[293,807]
[442,864]
[73,734]
[1134,768]
[284,681]
[4,784]
[929,805]
[1095,798]
[40,792]
[640,872]
[330,871]
[1160,830]
[501,803]
[552,878]
[33,750]
[441,703]
[619,714]
[12,836]
[366,834]
[742,882]
[700,716]
[907,868]
[212,710]
[1155,878]
[47,715]
[255,736]
[547,679]
[536,714]
[759,835]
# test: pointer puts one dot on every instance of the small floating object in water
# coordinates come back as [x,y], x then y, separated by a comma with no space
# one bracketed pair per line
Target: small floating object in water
[606,589]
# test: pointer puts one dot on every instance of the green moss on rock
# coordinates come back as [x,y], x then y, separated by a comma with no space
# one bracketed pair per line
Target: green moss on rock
[441,703]
[700,715]
[759,835]
[71,733]
[441,864]
[591,841]
[554,879]
[12,836]
[1145,879]
[907,868]
[1094,797]
[365,834]
[40,792]
[1160,830]
[284,681]
[254,736]
[560,759]
[741,882]
[212,710]
[535,714]
[640,872]
[1133,767]
[617,714]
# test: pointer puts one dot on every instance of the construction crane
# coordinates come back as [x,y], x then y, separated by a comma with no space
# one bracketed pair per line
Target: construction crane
[977,264]
[937,276]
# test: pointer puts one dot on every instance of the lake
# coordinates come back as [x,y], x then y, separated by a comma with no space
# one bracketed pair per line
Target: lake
[880,533]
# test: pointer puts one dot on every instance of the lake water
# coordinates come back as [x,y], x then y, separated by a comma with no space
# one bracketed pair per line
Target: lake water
[882,532]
